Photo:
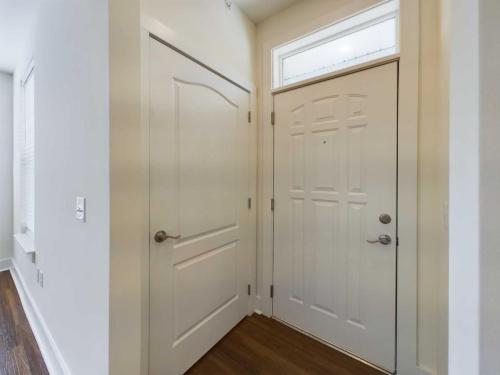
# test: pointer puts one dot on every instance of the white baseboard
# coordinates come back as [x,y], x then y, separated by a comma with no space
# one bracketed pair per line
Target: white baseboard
[5,264]
[50,352]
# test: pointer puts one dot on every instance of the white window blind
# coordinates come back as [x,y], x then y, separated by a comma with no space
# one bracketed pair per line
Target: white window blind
[366,36]
[27,155]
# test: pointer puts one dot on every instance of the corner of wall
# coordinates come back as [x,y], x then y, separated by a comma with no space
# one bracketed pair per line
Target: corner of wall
[126,194]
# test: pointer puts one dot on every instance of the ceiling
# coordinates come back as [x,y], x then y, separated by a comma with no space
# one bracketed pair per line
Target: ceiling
[16,19]
[259,10]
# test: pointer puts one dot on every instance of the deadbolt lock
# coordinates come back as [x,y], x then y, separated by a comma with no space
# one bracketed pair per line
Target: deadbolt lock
[385,218]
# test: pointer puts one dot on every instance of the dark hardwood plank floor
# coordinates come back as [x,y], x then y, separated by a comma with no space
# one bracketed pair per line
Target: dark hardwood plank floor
[19,352]
[259,345]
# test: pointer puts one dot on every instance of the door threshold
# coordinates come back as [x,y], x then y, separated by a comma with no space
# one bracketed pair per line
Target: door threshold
[329,344]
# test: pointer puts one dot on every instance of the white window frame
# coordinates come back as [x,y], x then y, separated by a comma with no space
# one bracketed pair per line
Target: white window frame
[378,13]
[26,231]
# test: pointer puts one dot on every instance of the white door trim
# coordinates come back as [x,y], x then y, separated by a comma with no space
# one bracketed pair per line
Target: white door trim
[407,295]
[149,26]
[407,335]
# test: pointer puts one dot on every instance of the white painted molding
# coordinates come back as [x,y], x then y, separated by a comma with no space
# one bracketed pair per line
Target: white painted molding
[50,352]
[5,264]
[25,242]
[408,361]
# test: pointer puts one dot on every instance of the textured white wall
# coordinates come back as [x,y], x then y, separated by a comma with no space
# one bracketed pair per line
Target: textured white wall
[70,51]
[6,122]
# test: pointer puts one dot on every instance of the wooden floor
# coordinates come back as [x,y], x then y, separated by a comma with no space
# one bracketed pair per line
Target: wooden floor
[19,352]
[259,345]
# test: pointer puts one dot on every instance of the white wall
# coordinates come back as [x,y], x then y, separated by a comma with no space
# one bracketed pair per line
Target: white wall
[489,30]
[464,189]
[474,329]
[128,225]
[474,309]
[208,30]
[70,50]
[6,119]
[306,16]
[443,191]
[432,192]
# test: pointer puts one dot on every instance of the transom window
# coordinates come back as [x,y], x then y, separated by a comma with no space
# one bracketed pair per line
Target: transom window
[366,36]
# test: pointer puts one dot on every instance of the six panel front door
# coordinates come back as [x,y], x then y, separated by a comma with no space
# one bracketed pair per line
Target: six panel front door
[198,191]
[335,174]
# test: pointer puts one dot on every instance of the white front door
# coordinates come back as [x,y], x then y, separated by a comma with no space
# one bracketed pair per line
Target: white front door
[335,174]
[198,191]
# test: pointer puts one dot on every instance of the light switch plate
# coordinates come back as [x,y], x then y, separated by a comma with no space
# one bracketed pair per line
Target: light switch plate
[80,210]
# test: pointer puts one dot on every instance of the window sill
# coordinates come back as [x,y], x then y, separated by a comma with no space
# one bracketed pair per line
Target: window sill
[26,242]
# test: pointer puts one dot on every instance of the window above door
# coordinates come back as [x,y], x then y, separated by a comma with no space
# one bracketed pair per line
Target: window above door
[363,37]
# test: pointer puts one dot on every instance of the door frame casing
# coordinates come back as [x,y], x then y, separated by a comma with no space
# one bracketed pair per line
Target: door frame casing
[150,26]
[407,360]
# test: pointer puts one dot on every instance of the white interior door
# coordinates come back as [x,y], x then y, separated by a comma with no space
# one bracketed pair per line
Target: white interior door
[335,174]
[198,190]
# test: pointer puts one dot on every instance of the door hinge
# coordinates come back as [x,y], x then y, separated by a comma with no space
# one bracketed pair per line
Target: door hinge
[249,116]
[397,241]
[271,291]
[273,118]
[249,203]
[272,204]
[249,290]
